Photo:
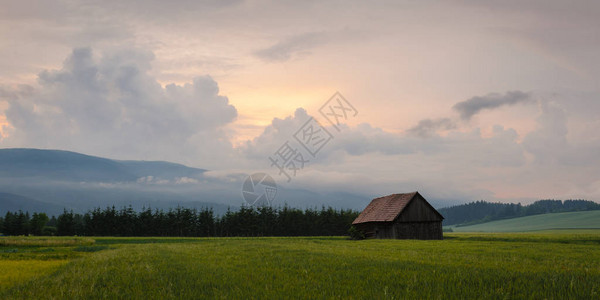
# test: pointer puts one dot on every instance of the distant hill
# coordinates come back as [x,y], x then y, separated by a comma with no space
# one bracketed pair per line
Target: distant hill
[72,166]
[52,180]
[65,179]
[13,203]
[567,220]
[161,169]
[482,211]
[60,165]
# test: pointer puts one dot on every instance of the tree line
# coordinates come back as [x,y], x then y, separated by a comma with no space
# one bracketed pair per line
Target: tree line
[482,211]
[183,222]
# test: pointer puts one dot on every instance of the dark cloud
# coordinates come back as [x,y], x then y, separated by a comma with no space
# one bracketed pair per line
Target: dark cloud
[467,109]
[428,127]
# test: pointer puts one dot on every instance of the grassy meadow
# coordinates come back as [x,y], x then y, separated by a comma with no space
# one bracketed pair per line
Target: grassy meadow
[554,221]
[551,265]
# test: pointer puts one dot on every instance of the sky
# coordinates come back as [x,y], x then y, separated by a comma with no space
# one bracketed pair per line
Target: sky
[462,100]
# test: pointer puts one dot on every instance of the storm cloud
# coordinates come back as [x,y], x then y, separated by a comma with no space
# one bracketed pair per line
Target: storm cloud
[428,127]
[468,108]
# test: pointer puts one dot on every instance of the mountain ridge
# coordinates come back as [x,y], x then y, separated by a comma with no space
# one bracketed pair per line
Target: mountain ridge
[69,165]
[81,182]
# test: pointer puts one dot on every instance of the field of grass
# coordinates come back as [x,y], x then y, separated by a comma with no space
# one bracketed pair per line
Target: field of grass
[24,258]
[567,220]
[44,241]
[467,266]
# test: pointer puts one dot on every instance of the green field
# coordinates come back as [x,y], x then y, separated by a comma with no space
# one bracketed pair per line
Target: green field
[555,221]
[463,266]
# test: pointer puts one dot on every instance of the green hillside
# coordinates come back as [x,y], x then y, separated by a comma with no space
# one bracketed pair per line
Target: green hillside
[568,220]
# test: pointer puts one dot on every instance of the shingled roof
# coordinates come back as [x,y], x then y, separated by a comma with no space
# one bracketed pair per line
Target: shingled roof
[385,209]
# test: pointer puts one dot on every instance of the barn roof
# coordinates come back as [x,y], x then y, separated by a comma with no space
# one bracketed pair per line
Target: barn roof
[386,209]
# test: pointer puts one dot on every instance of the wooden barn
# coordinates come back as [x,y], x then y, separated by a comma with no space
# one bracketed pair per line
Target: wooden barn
[400,216]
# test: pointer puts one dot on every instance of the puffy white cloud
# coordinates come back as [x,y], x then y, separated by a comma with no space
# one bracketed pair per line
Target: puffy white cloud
[464,163]
[369,160]
[111,106]
[274,135]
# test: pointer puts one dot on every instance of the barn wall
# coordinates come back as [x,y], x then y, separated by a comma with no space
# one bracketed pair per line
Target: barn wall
[418,230]
[418,210]
[402,230]
[368,229]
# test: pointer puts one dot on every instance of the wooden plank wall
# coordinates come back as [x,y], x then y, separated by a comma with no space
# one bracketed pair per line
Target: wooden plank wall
[418,211]
[403,230]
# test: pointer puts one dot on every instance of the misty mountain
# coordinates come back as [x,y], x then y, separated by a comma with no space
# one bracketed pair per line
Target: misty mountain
[71,166]
[60,165]
[53,180]
[160,169]
[13,203]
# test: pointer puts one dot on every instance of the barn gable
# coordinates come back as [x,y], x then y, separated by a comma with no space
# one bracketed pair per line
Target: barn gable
[405,207]
[406,215]
[419,210]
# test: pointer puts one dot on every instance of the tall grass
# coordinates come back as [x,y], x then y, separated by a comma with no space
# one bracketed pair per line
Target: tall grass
[18,271]
[44,241]
[464,266]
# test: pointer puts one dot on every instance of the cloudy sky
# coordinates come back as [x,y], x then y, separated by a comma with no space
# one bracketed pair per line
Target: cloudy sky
[467,100]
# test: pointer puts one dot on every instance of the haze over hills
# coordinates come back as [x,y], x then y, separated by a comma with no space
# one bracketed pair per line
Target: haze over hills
[59,165]
[72,166]
[13,203]
[51,180]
